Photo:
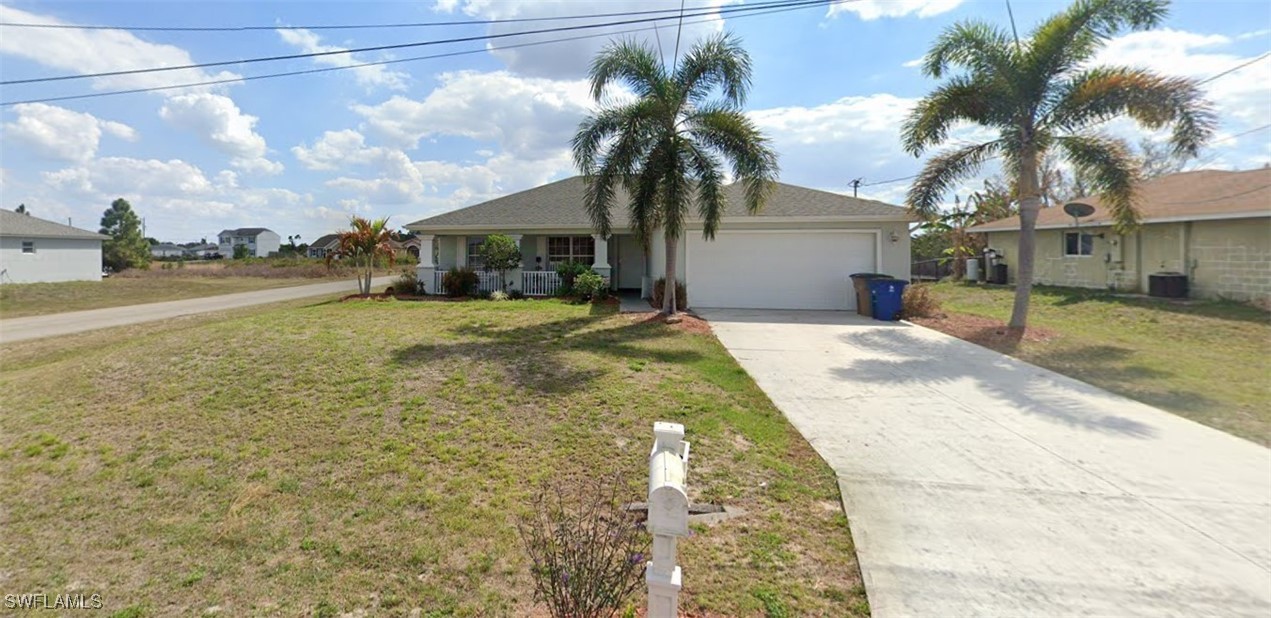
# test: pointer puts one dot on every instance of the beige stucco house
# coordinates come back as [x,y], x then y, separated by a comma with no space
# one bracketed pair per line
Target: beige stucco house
[1213,226]
[797,253]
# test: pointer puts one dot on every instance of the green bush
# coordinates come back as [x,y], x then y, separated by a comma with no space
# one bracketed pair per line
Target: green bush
[568,271]
[515,294]
[591,286]
[681,295]
[408,284]
[460,281]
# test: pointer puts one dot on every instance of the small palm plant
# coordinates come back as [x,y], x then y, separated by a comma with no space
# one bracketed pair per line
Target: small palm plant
[364,244]
[668,147]
[1041,96]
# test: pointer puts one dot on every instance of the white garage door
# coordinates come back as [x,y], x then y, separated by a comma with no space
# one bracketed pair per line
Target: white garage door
[806,269]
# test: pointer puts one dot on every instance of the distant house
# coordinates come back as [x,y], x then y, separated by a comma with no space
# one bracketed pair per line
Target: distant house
[33,250]
[324,246]
[167,250]
[202,250]
[260,242]
[1212,226]
[409,246]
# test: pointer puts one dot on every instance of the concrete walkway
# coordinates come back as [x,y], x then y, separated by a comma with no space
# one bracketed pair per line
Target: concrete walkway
[979,485]
[35,327]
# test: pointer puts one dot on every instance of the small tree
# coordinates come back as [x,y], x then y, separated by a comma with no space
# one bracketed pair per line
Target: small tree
[21,209]
[365,243]
[127,247]
[501,255]
[241,252]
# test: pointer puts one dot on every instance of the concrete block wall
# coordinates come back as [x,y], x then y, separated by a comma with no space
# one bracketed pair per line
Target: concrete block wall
[1231,259]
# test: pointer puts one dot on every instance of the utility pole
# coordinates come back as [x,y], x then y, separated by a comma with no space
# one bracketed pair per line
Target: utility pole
[855,184]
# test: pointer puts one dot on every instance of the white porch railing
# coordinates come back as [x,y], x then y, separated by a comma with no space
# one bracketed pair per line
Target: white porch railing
[436,285]
[486,281]
[539,282]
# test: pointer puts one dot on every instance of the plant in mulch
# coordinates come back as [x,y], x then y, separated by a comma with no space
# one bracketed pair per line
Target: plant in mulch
[917,301]
[460,281]
[587,552]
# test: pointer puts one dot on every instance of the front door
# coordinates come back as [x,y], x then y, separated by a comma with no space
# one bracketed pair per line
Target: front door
[630,262]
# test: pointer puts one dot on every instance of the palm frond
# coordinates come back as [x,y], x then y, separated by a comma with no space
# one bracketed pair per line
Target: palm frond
[961,99]
[676,189]
[629,62]
[734,136]
[1152,100]
[1113,173]
[942,172]
[976,46]
[719,61]
[708,172]
[644,209]
[1072,37]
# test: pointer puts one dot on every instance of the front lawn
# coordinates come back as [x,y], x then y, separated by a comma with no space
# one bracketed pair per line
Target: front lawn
[1207,361]
[328,458]
[25,299]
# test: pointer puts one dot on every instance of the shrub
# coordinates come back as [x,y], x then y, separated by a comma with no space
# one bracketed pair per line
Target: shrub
[501,254]
[681,295]
[919,302]
[568,271]
[515,294]
[498,295]
[591,286]
[587,553]
[407,283]
[460,281]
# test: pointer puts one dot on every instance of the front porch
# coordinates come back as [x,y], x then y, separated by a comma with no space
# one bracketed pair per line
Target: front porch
[620,259]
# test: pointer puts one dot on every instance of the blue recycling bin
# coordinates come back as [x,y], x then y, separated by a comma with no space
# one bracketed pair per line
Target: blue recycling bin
[887,294]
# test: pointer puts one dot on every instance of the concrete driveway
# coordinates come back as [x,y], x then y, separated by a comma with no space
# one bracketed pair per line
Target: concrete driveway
[979,485]
[35,327]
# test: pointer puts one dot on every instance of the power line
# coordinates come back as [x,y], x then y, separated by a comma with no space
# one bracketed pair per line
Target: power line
[217,82]
[424,24]
[1233,69]
[466,39]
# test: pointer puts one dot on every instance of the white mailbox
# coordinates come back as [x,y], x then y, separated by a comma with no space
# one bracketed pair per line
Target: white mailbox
[668,516]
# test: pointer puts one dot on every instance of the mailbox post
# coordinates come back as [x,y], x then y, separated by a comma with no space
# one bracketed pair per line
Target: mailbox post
[668,517]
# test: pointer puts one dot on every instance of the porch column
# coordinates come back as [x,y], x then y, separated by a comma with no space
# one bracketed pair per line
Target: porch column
[426,269]
[514,277]
[461,251]
[600,263]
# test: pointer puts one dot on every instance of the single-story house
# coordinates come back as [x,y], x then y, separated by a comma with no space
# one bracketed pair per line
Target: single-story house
[167,250]
[1213,226]
[323,245]
[409,246]
[797,253]
[33,250]
[203,250]
[260,242]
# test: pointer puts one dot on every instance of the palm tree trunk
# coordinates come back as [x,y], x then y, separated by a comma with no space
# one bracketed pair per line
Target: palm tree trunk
[1029,206]
[668,292]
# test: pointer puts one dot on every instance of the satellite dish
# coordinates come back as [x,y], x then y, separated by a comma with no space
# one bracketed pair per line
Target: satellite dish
[1077,210]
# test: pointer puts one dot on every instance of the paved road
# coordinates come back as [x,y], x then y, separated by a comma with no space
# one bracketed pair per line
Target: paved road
[979,485]
[35,327]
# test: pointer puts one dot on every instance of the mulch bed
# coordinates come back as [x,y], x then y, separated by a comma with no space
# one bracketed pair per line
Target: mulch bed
[988,332]
[688,323]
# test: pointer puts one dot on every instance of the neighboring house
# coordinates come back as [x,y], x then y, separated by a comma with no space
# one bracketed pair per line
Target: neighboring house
[33,250]
[260,242]
[410,246]
[797,253]
[1213,226]
[203,250]
[323,246]
[167,250]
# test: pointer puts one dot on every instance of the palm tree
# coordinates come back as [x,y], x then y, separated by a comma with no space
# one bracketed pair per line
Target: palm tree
[1041,96]
[365,243]
[669,145]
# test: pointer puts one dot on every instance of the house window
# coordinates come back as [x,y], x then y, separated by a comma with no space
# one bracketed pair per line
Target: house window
[581,249]
[474,254]
[28,246]
[1078,244]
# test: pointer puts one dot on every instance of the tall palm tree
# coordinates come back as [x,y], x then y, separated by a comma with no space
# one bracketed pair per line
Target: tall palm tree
[1041,96]
[366,242]
[669,145]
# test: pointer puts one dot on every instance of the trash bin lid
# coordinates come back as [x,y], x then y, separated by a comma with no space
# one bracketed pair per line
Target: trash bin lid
[870,276]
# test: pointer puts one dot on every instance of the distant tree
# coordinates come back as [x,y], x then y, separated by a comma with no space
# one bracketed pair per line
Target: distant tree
[152,241]
[22,209]
[127,248]
[242,252]
[501,255]
[1157,159]
[366,243]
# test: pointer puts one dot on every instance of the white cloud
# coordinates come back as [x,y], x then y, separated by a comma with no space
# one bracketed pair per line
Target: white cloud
[369,76]
[132,177]
[874,9]
[570,59]
[58,133]
[218,121]
[97,51]
[334,150]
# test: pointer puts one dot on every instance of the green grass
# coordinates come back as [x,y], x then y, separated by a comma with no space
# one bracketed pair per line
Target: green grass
[1206,360]
[376,455]
[27,299]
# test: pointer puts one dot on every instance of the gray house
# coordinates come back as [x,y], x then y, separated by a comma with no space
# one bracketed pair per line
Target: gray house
[260,242]
[33,250]
[797,253]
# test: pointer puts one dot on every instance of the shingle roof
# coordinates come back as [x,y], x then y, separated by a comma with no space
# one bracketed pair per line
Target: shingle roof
[560,203]
[1176,197]
[18,224]
[324,240]
[245,231]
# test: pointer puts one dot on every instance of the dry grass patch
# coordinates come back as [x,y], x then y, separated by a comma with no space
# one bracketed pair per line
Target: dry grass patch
[344,456]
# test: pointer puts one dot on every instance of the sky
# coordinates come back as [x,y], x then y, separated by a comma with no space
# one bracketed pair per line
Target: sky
[301,154]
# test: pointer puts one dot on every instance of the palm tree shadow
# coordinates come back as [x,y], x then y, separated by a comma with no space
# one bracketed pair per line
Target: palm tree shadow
[911,360]
[542,356]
